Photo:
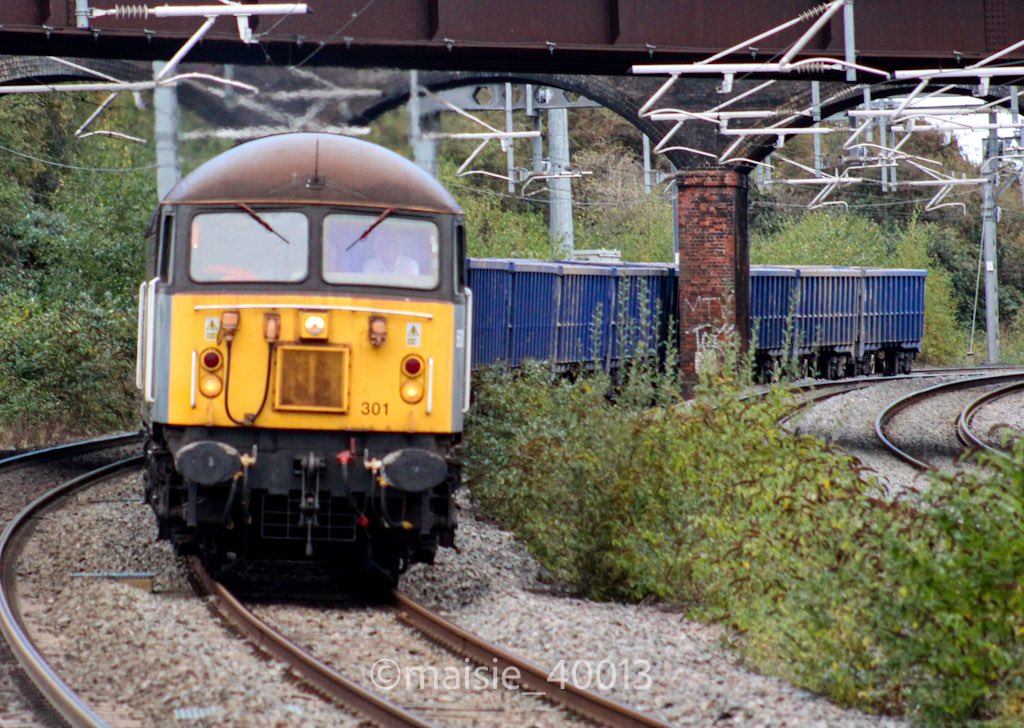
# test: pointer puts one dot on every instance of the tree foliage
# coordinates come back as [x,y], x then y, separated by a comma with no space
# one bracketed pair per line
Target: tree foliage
[70,260]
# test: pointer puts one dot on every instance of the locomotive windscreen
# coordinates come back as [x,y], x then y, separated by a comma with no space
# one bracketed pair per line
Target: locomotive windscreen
[379,250]
[246,246]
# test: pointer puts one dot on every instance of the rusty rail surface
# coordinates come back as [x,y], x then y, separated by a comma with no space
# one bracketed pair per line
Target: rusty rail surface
[582,702]
[326,680]
[64,700]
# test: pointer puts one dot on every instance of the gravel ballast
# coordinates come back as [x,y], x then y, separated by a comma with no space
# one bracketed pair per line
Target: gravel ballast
[162,658]
[493,588]
[141,657]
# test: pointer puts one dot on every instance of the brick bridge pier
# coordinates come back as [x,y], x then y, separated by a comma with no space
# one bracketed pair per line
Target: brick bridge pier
[714,258]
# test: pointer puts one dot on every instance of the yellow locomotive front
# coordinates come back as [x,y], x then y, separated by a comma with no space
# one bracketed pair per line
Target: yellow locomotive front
[304,356]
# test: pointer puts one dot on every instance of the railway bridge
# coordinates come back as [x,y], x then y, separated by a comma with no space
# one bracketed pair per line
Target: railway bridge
[584,46]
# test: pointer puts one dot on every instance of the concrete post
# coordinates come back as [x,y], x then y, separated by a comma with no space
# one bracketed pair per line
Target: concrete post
[165,133]
[560,190]
[424,149]
[988,239]
[510,148]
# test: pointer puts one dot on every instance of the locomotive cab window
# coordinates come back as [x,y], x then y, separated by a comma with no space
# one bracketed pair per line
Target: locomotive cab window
[248,246]
[381,250]
[163,258]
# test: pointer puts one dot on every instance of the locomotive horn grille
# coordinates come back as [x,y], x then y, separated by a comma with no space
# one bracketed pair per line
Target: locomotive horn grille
[312,379]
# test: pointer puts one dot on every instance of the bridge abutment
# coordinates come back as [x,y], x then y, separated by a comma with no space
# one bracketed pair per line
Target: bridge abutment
[714,266]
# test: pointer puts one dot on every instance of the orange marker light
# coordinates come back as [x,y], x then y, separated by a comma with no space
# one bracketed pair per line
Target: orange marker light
[412,392]
[211,386]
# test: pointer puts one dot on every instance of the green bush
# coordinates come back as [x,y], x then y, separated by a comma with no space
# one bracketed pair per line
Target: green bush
[66,368]
[953,616]
[824,578]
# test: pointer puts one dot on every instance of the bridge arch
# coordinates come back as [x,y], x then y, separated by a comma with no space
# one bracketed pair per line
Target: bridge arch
[622,95]
[28,69]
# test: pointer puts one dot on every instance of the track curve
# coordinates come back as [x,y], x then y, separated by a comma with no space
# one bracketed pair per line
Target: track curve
[909,400]
[328,681]
[968,437]
[57,693]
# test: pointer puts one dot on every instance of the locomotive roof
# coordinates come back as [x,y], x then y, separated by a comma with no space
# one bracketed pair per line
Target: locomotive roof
[313,168]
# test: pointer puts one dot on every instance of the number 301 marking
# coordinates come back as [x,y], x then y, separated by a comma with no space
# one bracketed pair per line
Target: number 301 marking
[374,408]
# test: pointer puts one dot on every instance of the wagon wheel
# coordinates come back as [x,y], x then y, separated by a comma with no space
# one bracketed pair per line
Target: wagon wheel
[867,364]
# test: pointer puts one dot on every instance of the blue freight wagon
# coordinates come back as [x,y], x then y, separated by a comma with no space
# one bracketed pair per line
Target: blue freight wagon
[773,296]
[892,319]
[833,321]
[842,321]
[570,314]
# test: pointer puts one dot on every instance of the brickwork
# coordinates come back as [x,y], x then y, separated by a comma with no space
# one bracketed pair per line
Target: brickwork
[714,264]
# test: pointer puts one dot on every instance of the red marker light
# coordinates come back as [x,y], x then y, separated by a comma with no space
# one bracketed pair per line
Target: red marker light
[412,366]
[212,360]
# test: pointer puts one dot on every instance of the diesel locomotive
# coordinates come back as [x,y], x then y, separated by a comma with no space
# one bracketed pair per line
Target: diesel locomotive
[304,356]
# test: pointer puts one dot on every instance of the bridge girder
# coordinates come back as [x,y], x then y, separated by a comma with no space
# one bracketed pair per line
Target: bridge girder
[553,37]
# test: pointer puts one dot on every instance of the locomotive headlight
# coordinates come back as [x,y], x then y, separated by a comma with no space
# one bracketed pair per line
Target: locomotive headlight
[412,392]
[314,326]
[378,330]
[211,386]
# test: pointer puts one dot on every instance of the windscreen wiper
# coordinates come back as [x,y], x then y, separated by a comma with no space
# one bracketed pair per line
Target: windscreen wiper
[255,216]
[367,231]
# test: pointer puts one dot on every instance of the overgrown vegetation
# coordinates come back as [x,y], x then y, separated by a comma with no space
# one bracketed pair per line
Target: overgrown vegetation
[71,218]
[822,576]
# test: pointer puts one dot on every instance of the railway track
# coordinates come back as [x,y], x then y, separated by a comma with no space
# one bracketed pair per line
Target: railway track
[69,450]
[76,711]
[818,391]
[57,693]
[582,702]
[907,401]
[350,694]
[458,641]
[968,437]
[327,680]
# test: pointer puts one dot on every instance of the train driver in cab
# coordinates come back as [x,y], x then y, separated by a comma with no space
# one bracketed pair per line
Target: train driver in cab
[389,258]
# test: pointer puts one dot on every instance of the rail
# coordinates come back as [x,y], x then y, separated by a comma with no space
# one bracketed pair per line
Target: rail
[964,431]
[74,710]
[69,450]
[582,702]
[332,683]
[905,401]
